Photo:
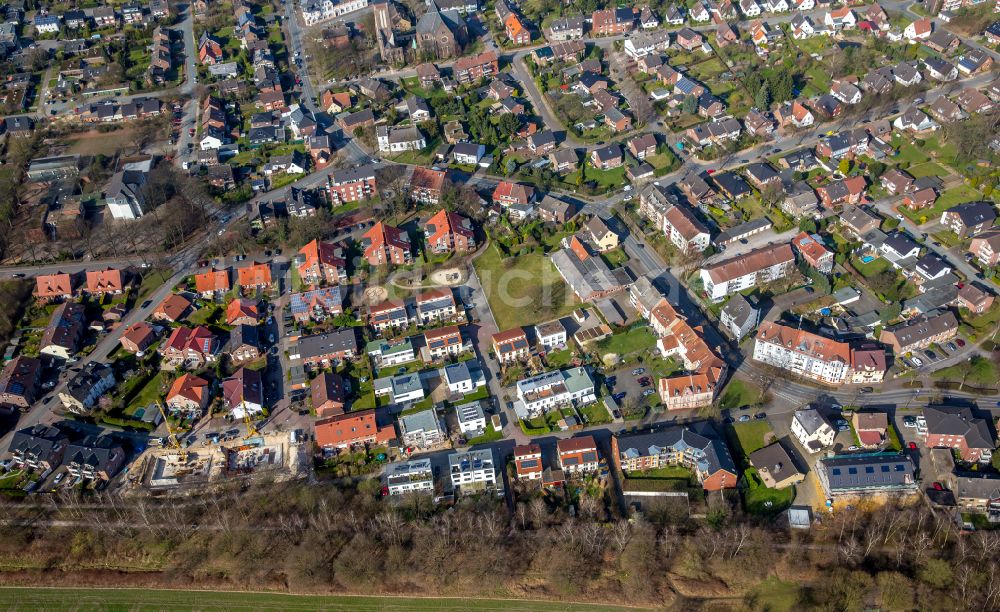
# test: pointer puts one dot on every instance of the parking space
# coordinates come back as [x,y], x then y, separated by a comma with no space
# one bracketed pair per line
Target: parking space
[631,384]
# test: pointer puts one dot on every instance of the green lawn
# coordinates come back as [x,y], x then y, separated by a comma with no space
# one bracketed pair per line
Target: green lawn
[207,315]
[670,471]
[145,395]
[559,359]
[947,199]
[609,179]
[596,413]
[751,434]
[491,435]
[739,393]
[956,195]
[615,258]
[760,499]
[523,290]
[635,339]
[58,599]
[870,269]
[910,154]
[151,280]
[776,595]
[927,169]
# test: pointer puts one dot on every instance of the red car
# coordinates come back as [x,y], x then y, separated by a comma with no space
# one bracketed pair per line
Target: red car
[912,445]
[191,132]
[938,486]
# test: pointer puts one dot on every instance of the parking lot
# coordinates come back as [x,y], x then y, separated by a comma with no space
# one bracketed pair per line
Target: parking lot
[935,354]
[639,386]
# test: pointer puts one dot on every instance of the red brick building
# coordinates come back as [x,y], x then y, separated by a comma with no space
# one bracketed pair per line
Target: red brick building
[346,430]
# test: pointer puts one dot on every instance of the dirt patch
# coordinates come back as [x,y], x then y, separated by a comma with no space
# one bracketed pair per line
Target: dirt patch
[450,277]
[101,143]
[376,295]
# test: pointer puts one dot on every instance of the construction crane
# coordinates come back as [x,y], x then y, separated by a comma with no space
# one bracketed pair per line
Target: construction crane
[172,440]
[251,428]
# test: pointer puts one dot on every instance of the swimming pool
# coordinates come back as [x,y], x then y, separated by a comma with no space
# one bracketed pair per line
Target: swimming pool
[867,259]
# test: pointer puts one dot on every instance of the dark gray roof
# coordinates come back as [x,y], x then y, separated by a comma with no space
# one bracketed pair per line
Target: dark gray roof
[974,213]
[95,451]
[977,487]
[739,309]
[38,440]
[845,473]
[959,421]
[775,460]
[331,342]
[714,454]
[925,326]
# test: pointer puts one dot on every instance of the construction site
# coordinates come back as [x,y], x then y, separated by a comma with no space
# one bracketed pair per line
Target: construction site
[278,455]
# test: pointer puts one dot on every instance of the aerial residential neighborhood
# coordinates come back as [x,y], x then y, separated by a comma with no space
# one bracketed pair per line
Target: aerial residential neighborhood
[617,274]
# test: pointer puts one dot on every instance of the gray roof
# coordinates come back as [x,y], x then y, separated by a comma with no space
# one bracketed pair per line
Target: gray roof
[925,326]
[586,277]
[959,421]
[425,420]
[330,342]
[775,460]
[96,452]
[743,229]
[974,213]
[845,473]
[740,309]
[977,487]
[713,455]
[810,419]
[39,440]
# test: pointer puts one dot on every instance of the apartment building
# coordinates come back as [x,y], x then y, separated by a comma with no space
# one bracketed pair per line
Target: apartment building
[578,455]
[763,265]
[550,390]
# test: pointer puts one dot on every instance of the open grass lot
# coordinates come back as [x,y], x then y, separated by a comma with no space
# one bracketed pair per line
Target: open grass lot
[751,435]
[636,339]
[607,179]
[152,599]
[102,143]
[927,169]
[739,393]
[523,290]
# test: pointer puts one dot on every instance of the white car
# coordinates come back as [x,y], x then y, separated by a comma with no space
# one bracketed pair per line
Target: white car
[627,188]
[916,361]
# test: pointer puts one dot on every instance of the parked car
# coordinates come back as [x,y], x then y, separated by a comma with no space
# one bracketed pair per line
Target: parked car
[960,342]
[853,447]
[951,347]
[760,415]
[931,355]
[638,371]
[867,389]
[916,361]
[744,418]
[648,392]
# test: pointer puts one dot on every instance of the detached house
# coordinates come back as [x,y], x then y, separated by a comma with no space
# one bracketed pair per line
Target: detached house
[970,218]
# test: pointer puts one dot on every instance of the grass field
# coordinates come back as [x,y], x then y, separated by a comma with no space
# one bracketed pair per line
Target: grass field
[102,143]
[523,290]
[739,393]
[150,599]
[638,339]
[752,435]
[927,169]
